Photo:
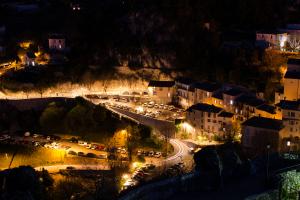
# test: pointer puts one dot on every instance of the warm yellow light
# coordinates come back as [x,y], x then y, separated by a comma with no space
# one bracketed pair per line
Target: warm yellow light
[25,45]
[139,109]
[136,164]
[187,127]
[37,54]
[125,176]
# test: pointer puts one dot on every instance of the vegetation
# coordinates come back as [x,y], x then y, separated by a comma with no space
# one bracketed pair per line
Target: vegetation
[183,36]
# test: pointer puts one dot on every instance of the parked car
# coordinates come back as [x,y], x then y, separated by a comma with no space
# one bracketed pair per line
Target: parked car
[74,140]
[72,153]
[102,156]
[91,155]
[80,154]
[70,168]
[157,155]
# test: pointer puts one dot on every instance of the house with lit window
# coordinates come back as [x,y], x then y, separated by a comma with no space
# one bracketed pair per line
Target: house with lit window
[292,80]
[57,42]
[209,120]
[291,116]
[162,91]
[204,91]
[268,111]
[229,98]
[260,134]
[185,92]
[273,39]
[245,106]
[217,99]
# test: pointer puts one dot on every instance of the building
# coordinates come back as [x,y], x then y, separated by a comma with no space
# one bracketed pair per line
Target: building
[57,42]
[30,59]
[185,92]
[291,116]
[259,132]
[292,80]
[208,120]
[204,91]
[245,106]
[274,39]
[268,111]
[217,99]
[162,91]
[229,99]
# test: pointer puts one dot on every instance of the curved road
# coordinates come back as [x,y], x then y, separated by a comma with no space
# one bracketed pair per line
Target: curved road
[165,128]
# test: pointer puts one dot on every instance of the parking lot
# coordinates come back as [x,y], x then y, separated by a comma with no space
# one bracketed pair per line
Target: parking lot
[142,106]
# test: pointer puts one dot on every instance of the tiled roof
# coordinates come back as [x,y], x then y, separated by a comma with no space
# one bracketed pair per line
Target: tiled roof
[233,92]
[289,105]
[56,36]
[250,100]
[161,84]
[267,108]
[266,123]
[294,61]
[205,108]
[207,86]
[218,95]
[185,81]
[292,74]
[226,114]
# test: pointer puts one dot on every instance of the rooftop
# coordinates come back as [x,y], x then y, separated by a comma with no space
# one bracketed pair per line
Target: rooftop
[226,114]
[205,108]
[266,123]
[250,100]
[207,86]
[218,95]
[56,36]
[161,84]
[270,32]
[185,81]
[267,108]
[233,92]
[289,105]
[293,61]
[292,74]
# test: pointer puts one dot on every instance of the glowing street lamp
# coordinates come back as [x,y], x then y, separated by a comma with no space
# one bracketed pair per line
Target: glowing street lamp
[125,176]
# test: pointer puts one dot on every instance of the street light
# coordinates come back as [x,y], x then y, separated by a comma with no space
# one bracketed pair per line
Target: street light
[288,144]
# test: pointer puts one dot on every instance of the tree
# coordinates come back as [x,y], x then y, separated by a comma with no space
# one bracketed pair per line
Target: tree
[52,118]
[80,119]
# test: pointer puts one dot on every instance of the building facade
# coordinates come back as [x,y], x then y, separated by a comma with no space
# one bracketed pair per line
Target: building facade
[57,42]
[162,91]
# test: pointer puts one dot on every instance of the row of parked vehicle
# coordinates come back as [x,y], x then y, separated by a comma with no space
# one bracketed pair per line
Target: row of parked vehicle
[175,170]
[149,153]
[139,175]
[89,155]
[88,145]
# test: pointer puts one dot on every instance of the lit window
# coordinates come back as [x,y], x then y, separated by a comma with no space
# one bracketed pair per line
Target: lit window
[59,46]
[33,64]
[231,102]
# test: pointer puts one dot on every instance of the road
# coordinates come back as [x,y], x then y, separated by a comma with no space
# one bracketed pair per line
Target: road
[163,127]
[167,129]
